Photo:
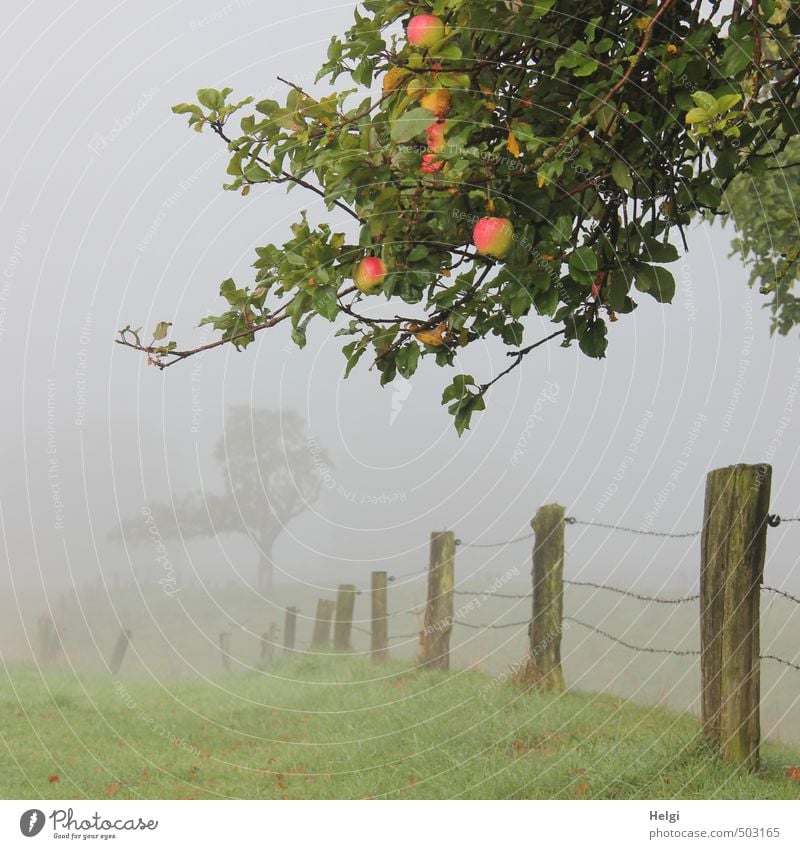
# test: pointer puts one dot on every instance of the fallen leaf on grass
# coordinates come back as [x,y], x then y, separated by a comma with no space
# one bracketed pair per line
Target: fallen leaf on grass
[412,781]
[582,788]
[112,788]
[52,778]
[793,772]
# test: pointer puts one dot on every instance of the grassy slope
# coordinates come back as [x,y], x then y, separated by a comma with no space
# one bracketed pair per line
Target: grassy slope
[329,728]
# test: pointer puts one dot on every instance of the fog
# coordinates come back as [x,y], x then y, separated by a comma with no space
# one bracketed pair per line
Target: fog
[113,213]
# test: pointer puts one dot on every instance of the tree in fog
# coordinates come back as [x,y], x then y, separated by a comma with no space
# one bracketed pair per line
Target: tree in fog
[270,473]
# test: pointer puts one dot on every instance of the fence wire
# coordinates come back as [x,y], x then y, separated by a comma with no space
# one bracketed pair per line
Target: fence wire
[780,660]
[676,652]
[571,520]
[783,593]
[639,596]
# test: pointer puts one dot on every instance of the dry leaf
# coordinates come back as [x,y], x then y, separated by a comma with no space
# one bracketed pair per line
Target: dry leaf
[52,778]
[793,772]
[112,788]
[512,145]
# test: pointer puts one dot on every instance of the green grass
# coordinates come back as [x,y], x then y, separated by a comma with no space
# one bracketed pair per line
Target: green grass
[334,727]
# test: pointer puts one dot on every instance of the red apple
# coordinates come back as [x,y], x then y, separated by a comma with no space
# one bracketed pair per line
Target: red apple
[434,136]
[369,274]
[493,236]
[437,101]
[430,164]
[425,30]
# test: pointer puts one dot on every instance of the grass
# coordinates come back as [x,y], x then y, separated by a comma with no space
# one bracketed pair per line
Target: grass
[337,727]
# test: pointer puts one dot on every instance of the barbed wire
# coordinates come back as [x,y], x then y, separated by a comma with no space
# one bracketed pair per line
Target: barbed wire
[490,626]
[780,660]
[677,652]
[494,544]
[490,594]
[571,520]
[775,590]
[403,636]
[653,598]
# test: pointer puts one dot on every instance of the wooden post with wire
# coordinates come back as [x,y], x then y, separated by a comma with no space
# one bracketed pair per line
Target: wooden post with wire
[733,550]
[343,626]
[544,660]
[380,617]
[290,630]
[268,645]
[438,623]
[120,648]
[323,621]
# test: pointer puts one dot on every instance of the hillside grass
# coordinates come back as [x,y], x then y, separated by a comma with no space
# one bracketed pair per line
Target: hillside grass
[338,727]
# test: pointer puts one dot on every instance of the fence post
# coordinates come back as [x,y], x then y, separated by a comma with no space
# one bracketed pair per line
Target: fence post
[544,666]
[120,647]
[290,629]
[47,637]
[322,623]
[268,644]
[438,624]
[225,651]
[733,550]
[343,627]
[380,620]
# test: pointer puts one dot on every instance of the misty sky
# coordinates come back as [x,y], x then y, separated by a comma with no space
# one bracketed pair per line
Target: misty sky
[112,213]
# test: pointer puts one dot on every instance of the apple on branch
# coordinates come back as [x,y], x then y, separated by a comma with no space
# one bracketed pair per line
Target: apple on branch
[493,236]
[425,30]
[369,274]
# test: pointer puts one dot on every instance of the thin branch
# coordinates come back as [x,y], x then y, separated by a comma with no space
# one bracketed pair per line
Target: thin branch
[519,356]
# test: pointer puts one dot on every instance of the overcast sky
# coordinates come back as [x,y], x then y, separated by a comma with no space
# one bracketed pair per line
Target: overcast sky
[112,213]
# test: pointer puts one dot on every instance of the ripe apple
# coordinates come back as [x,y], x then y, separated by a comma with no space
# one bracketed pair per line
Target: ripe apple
[369,274]
[437,101]
[425,30]
[430,164]
[434,136]
[493,236]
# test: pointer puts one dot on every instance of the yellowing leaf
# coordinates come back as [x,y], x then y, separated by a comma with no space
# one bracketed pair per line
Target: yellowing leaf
[432,337]
[512,145]
[541,180]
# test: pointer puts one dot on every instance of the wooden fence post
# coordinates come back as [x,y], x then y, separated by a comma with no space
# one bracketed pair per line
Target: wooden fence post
[120,647]
[343,627]
[290,629]
[733,550]
[268,644]
[438,623]
[47,638]
[380,617]
[225,651]
[544,665]
[322,623]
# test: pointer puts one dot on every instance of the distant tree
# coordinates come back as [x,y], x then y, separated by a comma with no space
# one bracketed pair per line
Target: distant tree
[270,474]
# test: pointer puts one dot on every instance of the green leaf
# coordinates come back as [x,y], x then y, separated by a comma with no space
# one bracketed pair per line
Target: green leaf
[211,98]
[592,341]
[622,174]
[655,251]
[162,328]
[655,281]
[410,125]
[697,116]
[325,303]
[705,101]
[583,264]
